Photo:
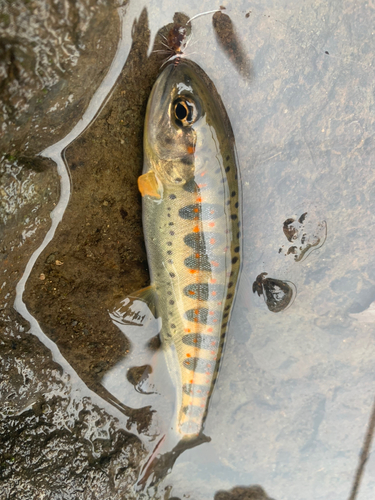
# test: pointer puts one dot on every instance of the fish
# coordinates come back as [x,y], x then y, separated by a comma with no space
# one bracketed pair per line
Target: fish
[191,207]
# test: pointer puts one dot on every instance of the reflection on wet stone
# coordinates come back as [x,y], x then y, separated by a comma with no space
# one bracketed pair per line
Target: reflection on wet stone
[138,375]
[229,42]
[277,294]
[306,232]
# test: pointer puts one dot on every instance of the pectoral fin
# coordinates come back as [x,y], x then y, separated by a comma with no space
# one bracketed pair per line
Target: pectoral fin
[148,185]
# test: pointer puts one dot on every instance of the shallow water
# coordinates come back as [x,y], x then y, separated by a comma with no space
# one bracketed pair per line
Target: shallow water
[293,401]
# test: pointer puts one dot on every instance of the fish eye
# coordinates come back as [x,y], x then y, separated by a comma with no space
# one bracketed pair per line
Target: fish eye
[185,111]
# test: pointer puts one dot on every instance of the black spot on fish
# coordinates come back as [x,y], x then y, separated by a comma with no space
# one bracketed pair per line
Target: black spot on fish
[230,284]
[195,390]
[238,235]
[199,365]
[192,410]
[227,169]
[191,186]
[168,215]
[178,179]
[171,223]
[198,291]
[172,196]
[236,204]
[200,263]
[171,233]
[233,193]
[170,261]
[233,216]
[225,315]
[171,302]
[173,325]
[227,307]
[228,157]
[197,315]
[201,211]
[196,241]
[237,249]
[200,341]
[172,275]
[234,260]
[169,252]
[229,296]
[187,160]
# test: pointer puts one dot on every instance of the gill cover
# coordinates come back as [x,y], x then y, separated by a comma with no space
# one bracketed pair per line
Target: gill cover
[173,117]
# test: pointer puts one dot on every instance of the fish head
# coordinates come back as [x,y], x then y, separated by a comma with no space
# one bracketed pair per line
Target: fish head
[175,113]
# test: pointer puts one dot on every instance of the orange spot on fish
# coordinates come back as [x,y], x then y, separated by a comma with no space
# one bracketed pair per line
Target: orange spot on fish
[211,313]
[196,311]
[196,229]
[202,186]
[196,320]
[199,199]
[212,352]
[195,341]
[203,173]
[191,381]
[196,210]
[190,150]
[212,241]
[212,211]
[191,292]
[211,224]
[188,362]
[212,343]
[214,263]
[219,303]
[192,271]
[213,294]
[187,330]
[209,330]
[188,355]
[213,280]
[197,255]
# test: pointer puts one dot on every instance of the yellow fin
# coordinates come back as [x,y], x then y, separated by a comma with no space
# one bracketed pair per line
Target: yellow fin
[148,185]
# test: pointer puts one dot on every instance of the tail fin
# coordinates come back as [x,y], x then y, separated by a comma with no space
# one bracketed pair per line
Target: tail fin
[162,459]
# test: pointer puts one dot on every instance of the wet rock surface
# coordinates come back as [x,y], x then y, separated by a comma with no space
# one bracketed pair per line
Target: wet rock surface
[52,443]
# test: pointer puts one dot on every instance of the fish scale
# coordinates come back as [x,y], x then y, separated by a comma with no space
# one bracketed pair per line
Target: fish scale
[191,226]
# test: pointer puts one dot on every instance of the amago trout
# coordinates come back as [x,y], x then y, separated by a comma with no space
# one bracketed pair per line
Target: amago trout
[191,207]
